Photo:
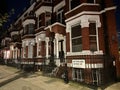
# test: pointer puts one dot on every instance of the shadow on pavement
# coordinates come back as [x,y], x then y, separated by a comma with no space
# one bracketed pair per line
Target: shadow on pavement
[11,79]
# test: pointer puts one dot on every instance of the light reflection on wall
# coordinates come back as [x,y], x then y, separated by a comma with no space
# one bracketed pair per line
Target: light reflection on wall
[7,54]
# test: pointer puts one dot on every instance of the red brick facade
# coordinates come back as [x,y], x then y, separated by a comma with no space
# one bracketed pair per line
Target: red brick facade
[46,37]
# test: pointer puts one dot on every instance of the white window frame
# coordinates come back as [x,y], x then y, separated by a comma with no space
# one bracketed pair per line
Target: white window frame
[79,73]
[97,38]
[46,18]
[39,20]
[60,12]
[75,37]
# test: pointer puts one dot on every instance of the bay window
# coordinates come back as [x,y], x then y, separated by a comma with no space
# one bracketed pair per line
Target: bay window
[92,36]
[76,38]
[31,28]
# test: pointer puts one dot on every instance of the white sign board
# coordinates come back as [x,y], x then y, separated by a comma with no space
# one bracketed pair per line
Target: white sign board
[78,63]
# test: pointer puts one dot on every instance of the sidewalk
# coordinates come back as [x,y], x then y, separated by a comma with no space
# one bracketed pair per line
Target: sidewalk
[43,82]
[58,84]
[49,83]
[7,74]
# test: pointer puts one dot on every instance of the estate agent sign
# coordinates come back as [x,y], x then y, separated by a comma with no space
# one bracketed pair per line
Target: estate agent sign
[78,63]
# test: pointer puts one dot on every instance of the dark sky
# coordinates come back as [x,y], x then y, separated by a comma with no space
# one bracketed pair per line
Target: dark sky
[3,6]
[19,5]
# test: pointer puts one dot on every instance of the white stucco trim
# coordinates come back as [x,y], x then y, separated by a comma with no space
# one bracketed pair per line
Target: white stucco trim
[97,65]
[43,9]
[56,23]
[58,6]
[85,52]
[38,63]
[27,62]
[40,36]
[83,4]
[28,21]
[26,42]
[14,32]
[108,9]
[90,12]
[84,19]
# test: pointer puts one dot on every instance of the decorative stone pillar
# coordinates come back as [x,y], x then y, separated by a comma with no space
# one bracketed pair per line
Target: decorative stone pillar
[54,47]
[57,48]
[47,41]
[57,45]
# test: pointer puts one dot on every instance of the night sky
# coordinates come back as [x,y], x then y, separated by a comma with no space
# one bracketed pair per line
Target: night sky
[19,5]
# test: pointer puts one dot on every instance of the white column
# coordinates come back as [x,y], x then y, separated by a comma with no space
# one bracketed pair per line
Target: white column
[57,45]
[13,53]
[47,41]
[57,48]
[54,47]
[64,48]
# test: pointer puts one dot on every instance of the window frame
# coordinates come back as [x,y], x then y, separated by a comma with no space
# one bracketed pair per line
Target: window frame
[49,18]
[30,29]
[78,74]
[60,12]
[92,35]
[39,21]
[77,37]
